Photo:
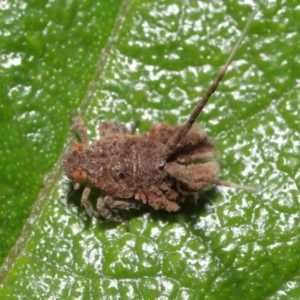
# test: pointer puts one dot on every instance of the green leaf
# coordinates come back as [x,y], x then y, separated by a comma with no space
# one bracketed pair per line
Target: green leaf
[149,61]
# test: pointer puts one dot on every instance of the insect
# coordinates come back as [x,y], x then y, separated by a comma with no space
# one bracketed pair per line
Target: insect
[162,168]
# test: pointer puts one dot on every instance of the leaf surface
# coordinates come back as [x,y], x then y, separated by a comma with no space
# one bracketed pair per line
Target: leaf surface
[149,61]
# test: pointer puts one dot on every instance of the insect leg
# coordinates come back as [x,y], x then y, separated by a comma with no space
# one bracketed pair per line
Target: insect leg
[122,204]
[197,154]
[134,126]
[198,176]
[87,204]
[80,128]
[189,174]
[108,128]
[104,209]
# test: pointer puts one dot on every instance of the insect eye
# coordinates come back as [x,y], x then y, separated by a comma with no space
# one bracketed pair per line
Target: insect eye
[79,175]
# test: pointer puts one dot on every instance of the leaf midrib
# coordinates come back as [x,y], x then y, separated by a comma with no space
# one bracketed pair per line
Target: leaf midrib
[51,179]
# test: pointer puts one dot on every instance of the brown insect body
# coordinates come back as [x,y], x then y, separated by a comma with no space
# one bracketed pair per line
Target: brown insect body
[132,166]
[161,168]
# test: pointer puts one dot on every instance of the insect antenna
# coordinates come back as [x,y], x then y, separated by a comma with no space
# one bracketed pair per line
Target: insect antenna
[170,147]
[69,196]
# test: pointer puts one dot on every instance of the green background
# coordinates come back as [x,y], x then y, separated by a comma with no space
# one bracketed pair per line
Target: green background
[149,61]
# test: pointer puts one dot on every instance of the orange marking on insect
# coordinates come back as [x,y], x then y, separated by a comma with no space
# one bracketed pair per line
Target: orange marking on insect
[78,147]
[79,175]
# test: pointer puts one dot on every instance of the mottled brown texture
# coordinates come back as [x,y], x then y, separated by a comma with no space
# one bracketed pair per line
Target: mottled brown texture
[162,168]
[126,166]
